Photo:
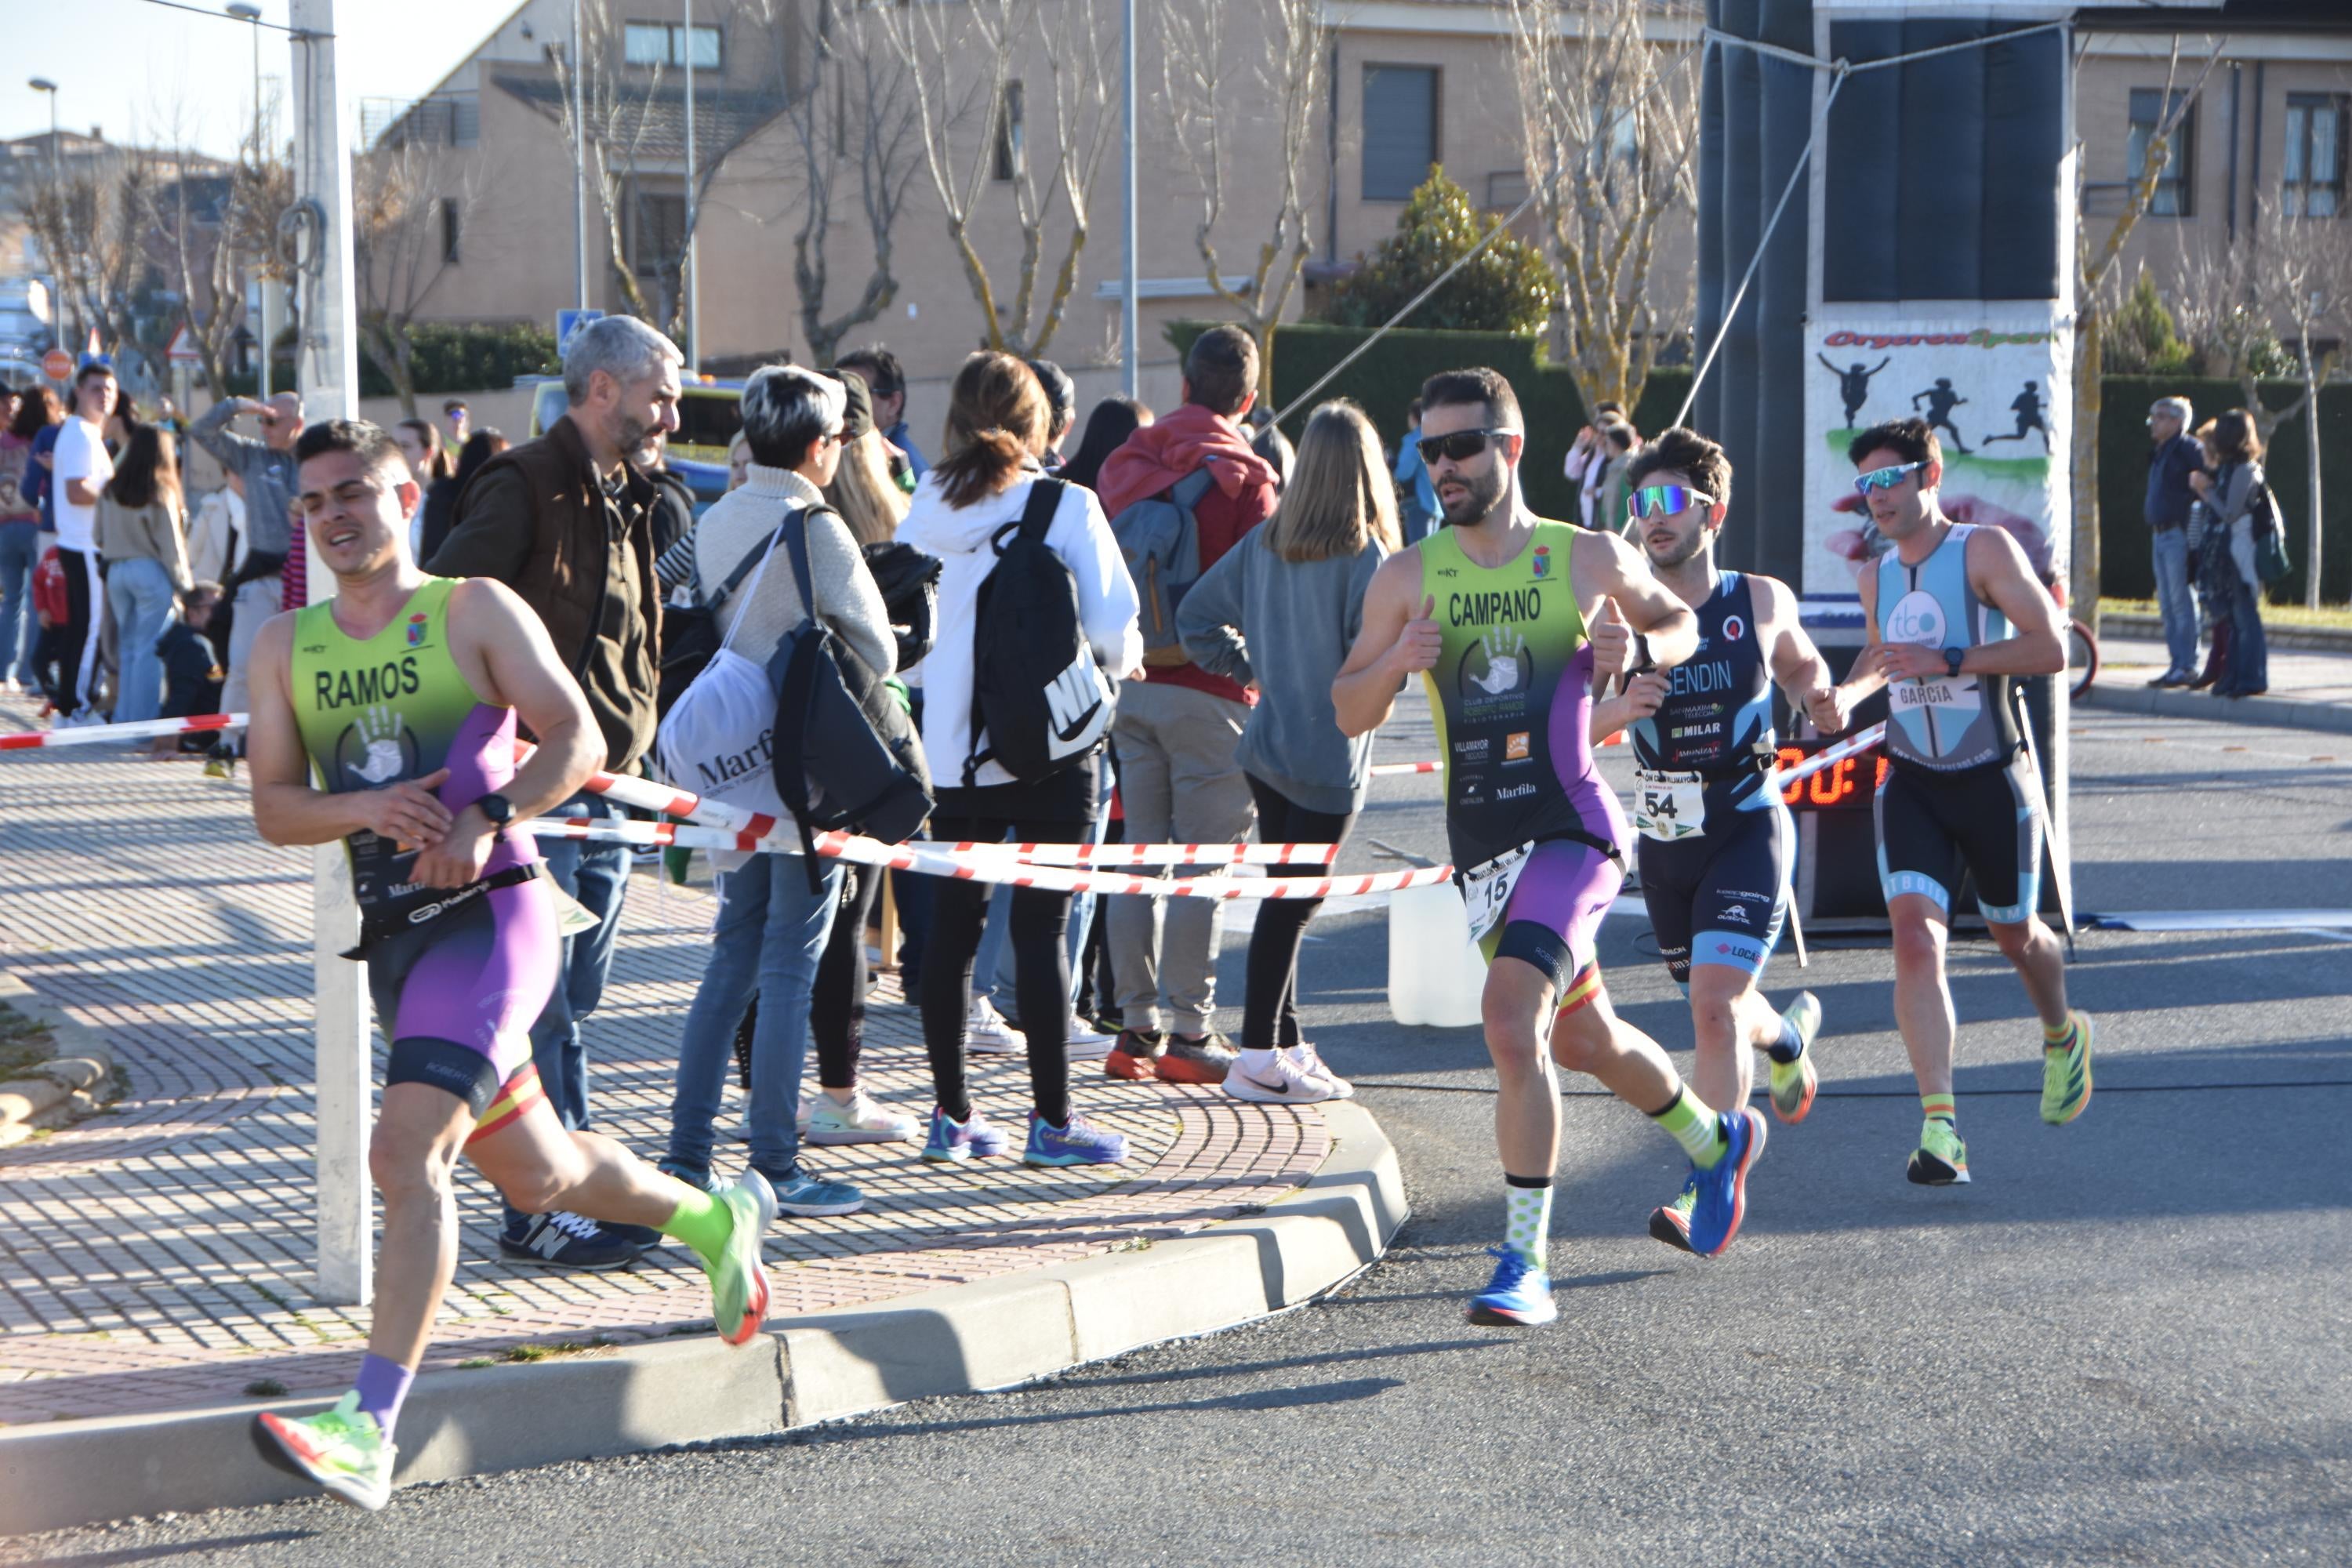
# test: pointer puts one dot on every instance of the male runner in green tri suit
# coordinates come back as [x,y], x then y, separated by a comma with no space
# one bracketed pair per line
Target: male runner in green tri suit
[1954,614]
[1493,612]
[385,718]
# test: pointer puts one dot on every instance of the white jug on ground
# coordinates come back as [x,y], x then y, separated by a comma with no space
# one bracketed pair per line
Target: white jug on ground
[1437,973]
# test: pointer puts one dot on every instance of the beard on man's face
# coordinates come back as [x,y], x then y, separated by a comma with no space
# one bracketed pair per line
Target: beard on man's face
[1480,494]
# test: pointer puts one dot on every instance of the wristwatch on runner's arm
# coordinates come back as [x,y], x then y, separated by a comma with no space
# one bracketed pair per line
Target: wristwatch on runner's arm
[499,810]
[1952,661]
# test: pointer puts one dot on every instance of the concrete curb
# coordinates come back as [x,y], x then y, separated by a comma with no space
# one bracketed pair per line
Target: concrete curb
[2302,639]
[821,1367]
[82,1063]
[2275,712]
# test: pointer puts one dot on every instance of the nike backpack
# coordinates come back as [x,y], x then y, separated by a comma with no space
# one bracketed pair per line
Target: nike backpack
[1161,538]
[1038,694]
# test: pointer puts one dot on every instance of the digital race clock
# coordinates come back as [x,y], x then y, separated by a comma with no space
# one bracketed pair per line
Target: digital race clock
[1845,785]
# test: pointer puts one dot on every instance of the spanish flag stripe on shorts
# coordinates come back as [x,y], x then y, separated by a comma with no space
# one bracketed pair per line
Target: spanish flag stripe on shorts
[1581,990]
[516,1096]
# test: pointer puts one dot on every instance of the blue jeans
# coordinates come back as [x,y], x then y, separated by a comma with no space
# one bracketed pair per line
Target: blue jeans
[20,552]
[2250,657]
[2176,598]
[771,933]
[138,596]
[596,874]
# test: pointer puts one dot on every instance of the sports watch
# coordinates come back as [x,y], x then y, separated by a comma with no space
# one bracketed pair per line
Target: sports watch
[1952,661]
[497,809]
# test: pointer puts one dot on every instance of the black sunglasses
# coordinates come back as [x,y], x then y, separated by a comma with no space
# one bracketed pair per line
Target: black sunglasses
[1460,446]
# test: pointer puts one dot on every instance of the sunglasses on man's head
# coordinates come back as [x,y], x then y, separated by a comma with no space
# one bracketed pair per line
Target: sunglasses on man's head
[1884,478]
[1459,446]
[1666,500]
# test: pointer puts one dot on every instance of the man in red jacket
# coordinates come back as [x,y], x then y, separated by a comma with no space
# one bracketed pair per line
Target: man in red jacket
[1177,726]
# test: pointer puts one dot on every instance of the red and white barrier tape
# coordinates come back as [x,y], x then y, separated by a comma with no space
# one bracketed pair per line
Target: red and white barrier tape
[1399,770]
[99,734]
[939,861]
[1781,778]
[649,796]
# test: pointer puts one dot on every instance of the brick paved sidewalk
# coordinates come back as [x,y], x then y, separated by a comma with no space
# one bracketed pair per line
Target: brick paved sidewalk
[158,1255]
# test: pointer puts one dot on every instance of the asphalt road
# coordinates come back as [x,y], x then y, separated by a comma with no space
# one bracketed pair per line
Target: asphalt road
[2126,1342]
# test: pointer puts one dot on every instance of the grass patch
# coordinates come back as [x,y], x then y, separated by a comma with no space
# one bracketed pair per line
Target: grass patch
[24,1043]
[2330,617]
[264,1388]
[470,1363]
[561,1347]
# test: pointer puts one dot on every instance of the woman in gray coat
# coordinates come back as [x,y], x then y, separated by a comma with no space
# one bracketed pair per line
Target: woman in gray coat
[2228,493]
[1278,612]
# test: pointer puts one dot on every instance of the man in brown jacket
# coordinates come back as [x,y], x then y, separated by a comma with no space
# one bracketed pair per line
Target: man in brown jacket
[563,520]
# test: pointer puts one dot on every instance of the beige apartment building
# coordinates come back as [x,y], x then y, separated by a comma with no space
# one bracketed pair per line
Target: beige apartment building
[1408,83]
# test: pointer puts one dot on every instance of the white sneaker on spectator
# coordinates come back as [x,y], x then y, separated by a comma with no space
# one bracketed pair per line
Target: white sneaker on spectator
[1274,1077]
[862,1120]
[987,1033]
[1088,1043]
[1305,1056]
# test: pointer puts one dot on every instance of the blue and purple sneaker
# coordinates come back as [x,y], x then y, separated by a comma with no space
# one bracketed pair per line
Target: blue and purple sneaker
[1079,1144]
[953,1143]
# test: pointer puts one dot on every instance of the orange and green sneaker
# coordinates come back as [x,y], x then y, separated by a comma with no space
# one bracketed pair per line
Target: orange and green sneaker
[2066,1073]
[341,1450]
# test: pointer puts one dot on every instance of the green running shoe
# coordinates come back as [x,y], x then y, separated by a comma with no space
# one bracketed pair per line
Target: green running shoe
[341,1450]
[2066,1075]
[1671,1224]
[1941,1160]
[739,1281]
[1793,1083]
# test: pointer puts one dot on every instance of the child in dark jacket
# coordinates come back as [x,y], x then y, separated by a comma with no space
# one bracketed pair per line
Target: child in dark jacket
[191,668]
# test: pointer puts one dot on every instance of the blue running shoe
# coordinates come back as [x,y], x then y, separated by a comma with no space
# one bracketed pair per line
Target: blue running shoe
[810,1197]
[1518,1297]
[1723,1190]
[1079,1144]
[953,1143]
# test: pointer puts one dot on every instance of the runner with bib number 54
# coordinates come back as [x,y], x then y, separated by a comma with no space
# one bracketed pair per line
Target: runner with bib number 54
[1954,614]
[1716,844]
[1498,611]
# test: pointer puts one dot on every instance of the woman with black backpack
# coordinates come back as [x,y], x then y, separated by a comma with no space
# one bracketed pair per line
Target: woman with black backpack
[1008,760]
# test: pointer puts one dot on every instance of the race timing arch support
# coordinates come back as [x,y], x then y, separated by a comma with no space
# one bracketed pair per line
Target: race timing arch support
[1924,264]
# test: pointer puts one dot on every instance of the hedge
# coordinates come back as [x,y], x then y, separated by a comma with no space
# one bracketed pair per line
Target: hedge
[2125,569]
[449,357]
[1387,378]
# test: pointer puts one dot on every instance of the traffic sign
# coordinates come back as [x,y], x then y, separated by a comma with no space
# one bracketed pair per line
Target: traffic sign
[57,364]
[184,349]
[568,323]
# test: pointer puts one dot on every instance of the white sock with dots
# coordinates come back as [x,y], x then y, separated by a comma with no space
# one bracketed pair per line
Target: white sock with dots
[1526,1210]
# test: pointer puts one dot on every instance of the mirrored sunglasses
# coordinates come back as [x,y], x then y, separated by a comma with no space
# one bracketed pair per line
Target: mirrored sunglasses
[1459,446]
[1884,478]
[1666,500]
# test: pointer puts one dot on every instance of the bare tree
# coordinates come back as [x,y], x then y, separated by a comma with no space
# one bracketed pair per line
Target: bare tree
[852,120]
[93,226]
[2304,276]
[1206,117]
[410,203]
[2217,306]
[970,114]
[615,116]
[1609,125]
[2094,266]
[216,227]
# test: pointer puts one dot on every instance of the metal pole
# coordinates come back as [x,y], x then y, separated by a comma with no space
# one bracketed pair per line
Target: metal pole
[269,316]
[1129,329]
[326,370]
[56,272]
[693,228]
[579,164]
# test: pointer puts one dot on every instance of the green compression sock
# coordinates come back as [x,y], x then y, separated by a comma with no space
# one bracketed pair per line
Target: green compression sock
[703,1223]
[2058,1039]
[1941,1108]
[1527,1208]
[1697,1129]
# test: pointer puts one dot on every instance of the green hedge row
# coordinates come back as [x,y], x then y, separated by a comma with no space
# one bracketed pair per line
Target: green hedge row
[1389,377]
[2123,565]
[448,358]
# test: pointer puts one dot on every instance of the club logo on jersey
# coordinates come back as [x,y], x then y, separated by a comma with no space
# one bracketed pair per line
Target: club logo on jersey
[1496,667]
[1734,628]
[417,624]
[376,747]
[1918,617]
[1541,565]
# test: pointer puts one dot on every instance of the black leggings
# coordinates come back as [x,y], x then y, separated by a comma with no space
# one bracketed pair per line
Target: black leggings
[837,1004]
[1270,1009]
[79,676]
[1041,966]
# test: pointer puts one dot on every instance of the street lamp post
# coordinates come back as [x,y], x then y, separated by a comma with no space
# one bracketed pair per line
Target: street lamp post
[251,17]
[57,185]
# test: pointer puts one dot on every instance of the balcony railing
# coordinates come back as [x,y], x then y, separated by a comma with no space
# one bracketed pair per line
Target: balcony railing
[445,120]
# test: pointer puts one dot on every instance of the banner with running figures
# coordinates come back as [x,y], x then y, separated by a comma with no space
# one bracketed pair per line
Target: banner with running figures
[1994,380]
